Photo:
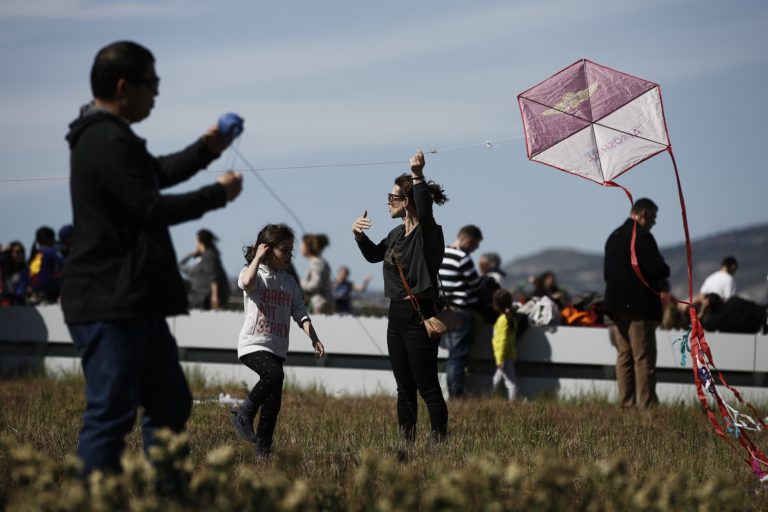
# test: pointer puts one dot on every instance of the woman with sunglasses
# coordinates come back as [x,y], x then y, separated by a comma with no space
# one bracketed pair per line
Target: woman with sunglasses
[414,249]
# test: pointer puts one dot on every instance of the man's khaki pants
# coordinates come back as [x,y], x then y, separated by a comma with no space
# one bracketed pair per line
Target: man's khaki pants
[635,361]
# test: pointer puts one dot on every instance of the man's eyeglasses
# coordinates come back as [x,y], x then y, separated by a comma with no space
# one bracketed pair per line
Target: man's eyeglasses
[391,198]
[152,83]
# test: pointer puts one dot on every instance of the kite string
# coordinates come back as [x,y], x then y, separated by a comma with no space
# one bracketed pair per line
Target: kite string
[269,189]
[255,171]
[488,144]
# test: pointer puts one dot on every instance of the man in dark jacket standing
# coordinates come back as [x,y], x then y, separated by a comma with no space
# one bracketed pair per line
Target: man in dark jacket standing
[634,308]
[121,279]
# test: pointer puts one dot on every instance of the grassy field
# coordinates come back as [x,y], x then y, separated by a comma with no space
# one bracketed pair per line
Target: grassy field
[344,454]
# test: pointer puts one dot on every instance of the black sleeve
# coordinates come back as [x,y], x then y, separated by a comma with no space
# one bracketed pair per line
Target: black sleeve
[373,253]
[130,184]
[432,233]
[182,165]
[423,204]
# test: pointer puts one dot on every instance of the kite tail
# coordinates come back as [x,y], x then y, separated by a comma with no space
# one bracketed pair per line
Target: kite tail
[733,422]
[688,256]
[704,368]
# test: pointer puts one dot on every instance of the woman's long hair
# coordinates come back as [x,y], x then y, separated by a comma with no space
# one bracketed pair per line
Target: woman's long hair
[315,244]
[405,182]
[208,239]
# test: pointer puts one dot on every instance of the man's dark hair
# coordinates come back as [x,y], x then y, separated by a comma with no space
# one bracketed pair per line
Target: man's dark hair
[471,231]
[729,261]
[122,59]
[643,204]
[45,235]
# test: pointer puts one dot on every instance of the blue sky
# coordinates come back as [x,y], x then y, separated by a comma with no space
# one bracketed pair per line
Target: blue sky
[323,83]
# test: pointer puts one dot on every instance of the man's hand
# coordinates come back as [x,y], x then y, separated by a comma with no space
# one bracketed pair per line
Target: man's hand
[232,182]
[214,141]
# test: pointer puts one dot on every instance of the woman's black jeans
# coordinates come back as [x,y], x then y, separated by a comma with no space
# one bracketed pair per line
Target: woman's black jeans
[413,356]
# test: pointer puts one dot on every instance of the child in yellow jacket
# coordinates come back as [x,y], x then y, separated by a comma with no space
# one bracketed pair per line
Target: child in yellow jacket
[505,342]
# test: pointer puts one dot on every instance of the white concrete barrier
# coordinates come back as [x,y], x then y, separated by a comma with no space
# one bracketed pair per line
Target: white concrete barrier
[569,362]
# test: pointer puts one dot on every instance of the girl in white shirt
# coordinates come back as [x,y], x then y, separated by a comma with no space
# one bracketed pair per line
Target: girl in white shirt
[271,298]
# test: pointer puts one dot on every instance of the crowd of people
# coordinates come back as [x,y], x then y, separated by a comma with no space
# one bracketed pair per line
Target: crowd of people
[35,279]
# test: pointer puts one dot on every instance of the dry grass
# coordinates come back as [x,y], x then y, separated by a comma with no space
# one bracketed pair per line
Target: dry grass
[344,453]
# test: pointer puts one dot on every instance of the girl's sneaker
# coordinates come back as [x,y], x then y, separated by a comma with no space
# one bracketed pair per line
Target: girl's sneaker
[243,427]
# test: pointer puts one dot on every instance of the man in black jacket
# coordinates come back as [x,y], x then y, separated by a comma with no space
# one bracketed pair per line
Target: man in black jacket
[634,307]
[121,279]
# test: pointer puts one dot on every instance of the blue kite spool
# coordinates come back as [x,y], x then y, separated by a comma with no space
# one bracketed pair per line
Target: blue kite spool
[231,126]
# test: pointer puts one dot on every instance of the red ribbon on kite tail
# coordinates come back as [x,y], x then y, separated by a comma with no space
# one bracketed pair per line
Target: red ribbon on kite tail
[703,363]
[701,354]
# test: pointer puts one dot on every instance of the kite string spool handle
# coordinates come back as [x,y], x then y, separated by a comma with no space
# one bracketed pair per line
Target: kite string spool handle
[231,126]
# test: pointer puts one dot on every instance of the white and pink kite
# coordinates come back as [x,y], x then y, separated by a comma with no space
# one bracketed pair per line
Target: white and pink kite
[598,123]
[593,121]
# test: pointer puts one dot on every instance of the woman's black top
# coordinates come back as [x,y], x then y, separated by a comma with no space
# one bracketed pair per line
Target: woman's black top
[419,254]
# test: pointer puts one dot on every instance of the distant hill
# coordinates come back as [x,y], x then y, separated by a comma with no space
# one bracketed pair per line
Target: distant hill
[580,272]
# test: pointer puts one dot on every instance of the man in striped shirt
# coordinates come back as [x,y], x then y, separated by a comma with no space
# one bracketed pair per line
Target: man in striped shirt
[460,283]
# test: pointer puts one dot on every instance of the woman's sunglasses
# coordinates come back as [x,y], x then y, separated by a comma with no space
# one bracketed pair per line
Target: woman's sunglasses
[391,198]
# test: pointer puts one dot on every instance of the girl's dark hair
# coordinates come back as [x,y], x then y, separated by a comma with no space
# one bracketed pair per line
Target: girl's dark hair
[502,300]
[315,243]
[122,59]
[272,235]
[405,182]
[208,239]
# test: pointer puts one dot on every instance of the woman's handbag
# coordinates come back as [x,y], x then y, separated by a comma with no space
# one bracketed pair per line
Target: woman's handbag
[441,323]
[444,321]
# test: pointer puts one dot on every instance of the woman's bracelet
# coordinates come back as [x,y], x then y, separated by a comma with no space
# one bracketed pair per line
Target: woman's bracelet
[417,178]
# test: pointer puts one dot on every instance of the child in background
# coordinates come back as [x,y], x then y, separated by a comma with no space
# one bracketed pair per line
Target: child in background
[45,267]
[272,297]
[505,342]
